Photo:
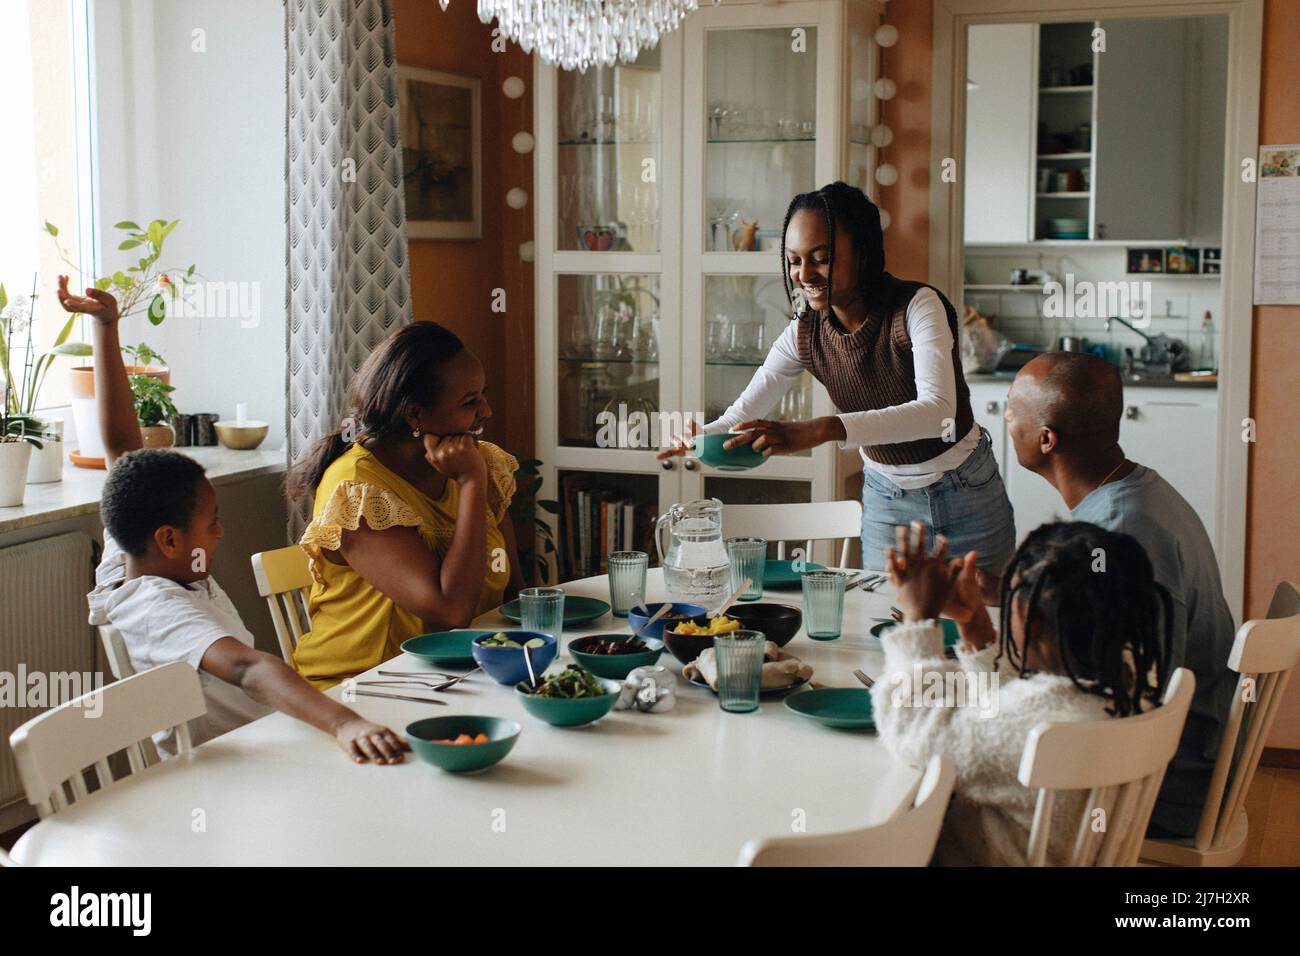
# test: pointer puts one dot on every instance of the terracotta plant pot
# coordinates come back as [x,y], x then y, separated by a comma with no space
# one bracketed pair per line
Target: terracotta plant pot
[14,456]
[90,450]
[157,436]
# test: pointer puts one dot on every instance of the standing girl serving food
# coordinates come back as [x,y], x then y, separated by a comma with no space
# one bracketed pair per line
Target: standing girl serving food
[409,531]
[886,351]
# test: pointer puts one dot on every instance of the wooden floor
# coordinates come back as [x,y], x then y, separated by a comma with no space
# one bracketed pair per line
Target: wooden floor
[1272,807]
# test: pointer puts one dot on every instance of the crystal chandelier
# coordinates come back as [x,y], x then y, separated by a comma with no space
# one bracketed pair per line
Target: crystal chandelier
[576,34]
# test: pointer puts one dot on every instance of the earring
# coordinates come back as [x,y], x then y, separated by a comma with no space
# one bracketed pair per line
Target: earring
[415,433]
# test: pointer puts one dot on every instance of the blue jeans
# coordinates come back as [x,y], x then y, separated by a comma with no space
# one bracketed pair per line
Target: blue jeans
[969,504]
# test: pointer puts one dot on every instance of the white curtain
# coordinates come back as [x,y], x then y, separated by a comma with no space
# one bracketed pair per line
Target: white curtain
[348,282]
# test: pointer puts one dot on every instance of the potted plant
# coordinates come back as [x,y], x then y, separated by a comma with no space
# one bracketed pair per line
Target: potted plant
[533,534]
[153,409]
[35,445]
[144,287]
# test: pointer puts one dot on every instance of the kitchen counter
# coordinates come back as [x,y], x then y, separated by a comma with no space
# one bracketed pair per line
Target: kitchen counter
[1128,381]
[80,490]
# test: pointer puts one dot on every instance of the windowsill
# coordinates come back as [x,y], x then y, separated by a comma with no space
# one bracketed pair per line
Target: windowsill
[80,490]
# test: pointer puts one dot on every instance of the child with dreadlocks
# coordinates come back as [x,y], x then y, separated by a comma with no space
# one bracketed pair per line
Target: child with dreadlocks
[1083,637]
[887,352]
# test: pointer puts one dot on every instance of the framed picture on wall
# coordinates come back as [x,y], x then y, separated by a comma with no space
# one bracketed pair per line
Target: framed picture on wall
[442,166]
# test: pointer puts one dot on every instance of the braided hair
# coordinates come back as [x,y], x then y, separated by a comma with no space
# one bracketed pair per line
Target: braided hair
[847,206]
[1094,595]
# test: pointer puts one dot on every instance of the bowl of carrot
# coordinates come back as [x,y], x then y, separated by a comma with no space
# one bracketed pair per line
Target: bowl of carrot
[462,743]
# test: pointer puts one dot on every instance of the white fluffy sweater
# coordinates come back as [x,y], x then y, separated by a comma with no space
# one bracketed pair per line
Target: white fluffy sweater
[990,815]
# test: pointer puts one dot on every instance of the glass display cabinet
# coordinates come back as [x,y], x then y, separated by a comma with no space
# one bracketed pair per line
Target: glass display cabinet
[661,189]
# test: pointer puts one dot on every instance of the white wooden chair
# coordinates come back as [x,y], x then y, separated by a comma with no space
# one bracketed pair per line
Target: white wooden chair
[1264,654]
[1120,762]
[804,522]
[119,663]
[907,838]
[54,749]
[284,578]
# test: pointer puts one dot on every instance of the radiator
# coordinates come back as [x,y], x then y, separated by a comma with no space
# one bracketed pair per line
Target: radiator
[43,627]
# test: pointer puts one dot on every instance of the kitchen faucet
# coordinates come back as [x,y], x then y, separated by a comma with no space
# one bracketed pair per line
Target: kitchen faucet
[1115,318]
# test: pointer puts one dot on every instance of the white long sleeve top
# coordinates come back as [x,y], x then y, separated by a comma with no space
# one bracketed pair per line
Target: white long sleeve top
[990,815]
[936,397]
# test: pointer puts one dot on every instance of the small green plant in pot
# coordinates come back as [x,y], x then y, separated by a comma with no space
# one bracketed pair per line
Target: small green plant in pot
[144,287]
[31,448]
[154,409]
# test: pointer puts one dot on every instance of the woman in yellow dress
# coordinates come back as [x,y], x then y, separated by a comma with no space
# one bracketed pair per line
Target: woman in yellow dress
[409,531]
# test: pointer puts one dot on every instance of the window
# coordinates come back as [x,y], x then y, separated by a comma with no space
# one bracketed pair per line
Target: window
[45,165]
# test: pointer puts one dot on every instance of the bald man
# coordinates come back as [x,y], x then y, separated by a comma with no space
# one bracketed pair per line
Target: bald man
[1063,414]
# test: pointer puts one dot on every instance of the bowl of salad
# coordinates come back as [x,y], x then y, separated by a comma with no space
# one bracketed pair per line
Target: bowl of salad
[614,655]
[501,654]
[569,698]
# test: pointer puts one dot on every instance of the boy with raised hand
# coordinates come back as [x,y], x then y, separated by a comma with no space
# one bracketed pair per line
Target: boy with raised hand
[161,529]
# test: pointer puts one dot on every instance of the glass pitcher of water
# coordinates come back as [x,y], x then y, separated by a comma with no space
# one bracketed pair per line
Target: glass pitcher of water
[694,558]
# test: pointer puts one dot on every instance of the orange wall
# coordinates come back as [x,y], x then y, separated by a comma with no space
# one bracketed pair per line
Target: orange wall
[908,64]
[1273,511]
[452,282]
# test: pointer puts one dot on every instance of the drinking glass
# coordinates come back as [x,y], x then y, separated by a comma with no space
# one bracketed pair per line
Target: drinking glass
[747,558]
[627,573]
[739,655]
[823,603]
[542,610]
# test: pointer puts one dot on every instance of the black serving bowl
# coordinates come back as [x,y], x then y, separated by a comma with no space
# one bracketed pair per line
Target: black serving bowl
[778,622]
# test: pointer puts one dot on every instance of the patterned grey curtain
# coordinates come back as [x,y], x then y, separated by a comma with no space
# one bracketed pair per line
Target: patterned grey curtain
[348,283]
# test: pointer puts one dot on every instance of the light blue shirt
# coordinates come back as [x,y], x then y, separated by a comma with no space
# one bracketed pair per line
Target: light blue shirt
[1148,508]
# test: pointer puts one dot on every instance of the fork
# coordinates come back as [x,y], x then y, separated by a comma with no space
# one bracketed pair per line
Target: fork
[872,581]
[417,674]
[418,700]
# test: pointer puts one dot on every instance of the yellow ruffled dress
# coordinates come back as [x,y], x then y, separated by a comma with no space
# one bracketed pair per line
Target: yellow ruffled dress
[355,626]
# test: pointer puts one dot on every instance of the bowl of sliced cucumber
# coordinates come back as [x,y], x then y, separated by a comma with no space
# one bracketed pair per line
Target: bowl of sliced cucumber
[501,654]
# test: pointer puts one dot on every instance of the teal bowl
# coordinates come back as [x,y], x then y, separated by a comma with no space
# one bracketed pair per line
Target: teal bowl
[463,758]
[708,449]
[613,666]
[571,712]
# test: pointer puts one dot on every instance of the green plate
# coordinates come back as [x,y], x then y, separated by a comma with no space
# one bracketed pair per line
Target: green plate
[444,648]
[848,708]
[781,574]
[762,691]
[950,634]
[577,610]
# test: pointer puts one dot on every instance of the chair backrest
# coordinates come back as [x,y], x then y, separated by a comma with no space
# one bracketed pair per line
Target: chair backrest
[1120,762]
[56,747]
[804,522]
[284,578]
[1264,654]
[119,664]
[119,661]
[907,838]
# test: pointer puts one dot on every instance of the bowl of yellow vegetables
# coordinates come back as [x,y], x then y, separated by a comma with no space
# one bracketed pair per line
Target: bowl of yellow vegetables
[688,638]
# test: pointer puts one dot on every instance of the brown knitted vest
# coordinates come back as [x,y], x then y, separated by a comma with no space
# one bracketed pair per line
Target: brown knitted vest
[872,368]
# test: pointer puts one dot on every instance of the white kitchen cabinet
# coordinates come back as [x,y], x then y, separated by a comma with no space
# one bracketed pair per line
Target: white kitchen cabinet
[988,402]
[999,130]
[1174,431]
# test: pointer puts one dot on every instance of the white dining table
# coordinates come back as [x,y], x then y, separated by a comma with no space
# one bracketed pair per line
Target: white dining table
[685,787]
